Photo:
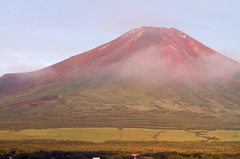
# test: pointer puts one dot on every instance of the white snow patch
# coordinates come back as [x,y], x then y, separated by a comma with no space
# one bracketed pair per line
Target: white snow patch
[134,39]
[104,47]
[129,33]
[182,35]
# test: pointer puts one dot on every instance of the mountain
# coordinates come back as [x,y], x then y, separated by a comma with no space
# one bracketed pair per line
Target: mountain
[148,77]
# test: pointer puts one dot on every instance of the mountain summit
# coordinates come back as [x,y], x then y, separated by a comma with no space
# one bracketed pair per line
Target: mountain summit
[159,72]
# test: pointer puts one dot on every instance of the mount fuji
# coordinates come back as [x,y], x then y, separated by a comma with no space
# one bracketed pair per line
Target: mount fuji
[151,77]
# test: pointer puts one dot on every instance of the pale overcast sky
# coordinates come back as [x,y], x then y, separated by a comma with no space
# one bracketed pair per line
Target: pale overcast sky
[38,33]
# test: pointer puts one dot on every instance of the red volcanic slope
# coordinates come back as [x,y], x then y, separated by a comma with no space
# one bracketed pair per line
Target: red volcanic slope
[170,53]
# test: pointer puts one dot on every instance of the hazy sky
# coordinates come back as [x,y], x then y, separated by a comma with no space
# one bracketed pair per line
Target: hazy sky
[38,33]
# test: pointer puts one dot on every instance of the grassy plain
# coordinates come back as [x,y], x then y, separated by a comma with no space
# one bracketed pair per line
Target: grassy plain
[120,134]
[132,140]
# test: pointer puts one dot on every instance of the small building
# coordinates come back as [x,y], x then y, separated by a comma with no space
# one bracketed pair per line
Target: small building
[134,155]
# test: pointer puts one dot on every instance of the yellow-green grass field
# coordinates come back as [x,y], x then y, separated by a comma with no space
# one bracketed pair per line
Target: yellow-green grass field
[99,135]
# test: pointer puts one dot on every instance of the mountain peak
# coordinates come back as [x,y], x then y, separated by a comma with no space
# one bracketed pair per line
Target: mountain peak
[150,29]
[158,71]
[157,33]
[165,38]
[159,50]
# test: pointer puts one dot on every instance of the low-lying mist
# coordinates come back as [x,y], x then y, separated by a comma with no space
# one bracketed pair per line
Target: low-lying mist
[152,65]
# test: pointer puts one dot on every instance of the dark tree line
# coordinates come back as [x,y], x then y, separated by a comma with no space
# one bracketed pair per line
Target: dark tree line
[113,155]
